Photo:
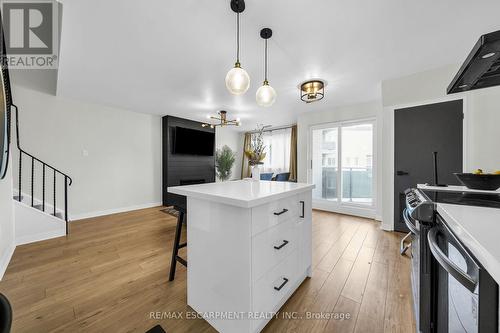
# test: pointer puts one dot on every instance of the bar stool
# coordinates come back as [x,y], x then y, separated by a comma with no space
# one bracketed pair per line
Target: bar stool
[175,251]
[5,314]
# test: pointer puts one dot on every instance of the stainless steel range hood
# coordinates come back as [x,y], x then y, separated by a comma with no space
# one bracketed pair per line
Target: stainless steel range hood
[481,69]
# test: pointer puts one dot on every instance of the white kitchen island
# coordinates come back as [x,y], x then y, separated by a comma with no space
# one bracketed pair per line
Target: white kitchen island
[248,249]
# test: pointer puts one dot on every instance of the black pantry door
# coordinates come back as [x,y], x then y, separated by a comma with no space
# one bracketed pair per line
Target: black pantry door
[418,132]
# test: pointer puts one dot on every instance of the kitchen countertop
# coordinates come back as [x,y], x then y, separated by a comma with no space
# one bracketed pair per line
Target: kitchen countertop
[245,193]
[478,229]
[453,188]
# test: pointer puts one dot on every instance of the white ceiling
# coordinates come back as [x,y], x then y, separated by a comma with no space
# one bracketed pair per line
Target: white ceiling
[171,57]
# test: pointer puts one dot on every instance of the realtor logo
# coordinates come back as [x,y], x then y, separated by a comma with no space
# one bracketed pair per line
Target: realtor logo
[30,29]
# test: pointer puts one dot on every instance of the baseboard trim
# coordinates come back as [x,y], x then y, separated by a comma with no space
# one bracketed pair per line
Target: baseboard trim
[346,210]
[386,227]
[5,260]
[113,211]
[39,237]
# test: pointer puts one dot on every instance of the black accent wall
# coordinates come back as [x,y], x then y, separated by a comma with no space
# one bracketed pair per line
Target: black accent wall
[183,169]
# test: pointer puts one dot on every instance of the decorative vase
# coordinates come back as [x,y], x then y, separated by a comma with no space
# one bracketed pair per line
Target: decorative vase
[256,172]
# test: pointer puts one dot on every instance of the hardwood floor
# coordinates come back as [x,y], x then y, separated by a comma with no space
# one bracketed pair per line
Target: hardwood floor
[111,275]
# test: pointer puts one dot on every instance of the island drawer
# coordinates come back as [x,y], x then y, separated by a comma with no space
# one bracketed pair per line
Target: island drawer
[269,291]
[275,212]
[270,247]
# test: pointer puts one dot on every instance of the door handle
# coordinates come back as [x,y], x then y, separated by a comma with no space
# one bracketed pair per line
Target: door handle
[402,173]
[412,226]
[469,282]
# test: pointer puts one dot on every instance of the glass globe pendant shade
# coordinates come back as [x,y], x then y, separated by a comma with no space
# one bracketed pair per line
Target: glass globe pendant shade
[266,95]
[237,80]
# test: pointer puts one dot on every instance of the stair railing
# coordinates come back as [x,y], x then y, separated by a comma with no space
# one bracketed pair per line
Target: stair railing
[45,166]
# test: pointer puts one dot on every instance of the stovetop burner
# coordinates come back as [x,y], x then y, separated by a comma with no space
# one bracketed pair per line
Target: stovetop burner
[465,198]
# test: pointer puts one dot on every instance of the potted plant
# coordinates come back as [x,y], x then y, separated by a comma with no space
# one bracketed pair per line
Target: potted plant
[224,160]
[256,152]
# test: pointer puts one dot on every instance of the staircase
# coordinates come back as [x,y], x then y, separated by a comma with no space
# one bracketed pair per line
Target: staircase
[45,202]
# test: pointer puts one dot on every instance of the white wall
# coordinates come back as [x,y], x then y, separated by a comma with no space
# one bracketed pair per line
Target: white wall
[6,220]
[346,113]
[33,226]
[233,139]
[481,133]
[113,155]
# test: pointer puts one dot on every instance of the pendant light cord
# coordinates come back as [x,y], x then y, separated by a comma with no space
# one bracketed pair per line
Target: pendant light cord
[238,37]
[265,62]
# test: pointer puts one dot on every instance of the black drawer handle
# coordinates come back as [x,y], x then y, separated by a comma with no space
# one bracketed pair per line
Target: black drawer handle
[285,281]
[281,246]
[303,209]
[282,212]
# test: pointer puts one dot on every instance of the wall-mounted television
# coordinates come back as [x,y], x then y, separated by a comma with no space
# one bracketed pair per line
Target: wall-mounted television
[193,142]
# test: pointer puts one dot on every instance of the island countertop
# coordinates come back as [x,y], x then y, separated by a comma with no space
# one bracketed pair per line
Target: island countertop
[244,193]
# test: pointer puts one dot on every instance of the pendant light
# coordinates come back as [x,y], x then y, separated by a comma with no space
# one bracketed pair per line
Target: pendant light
[237,79]
[266,95]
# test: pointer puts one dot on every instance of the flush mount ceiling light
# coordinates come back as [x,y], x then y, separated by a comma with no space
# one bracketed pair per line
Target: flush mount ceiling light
[222,120]
[266,95]
[237,79]
[312,91]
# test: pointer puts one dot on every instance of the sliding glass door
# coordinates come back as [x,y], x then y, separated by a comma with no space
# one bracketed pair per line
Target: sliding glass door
[341,159]
[324,163]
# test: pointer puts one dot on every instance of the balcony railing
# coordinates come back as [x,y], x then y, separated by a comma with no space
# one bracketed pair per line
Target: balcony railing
[356,184]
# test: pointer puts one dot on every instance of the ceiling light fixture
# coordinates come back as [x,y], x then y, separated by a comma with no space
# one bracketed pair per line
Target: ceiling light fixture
[312,91]
[222,118]
[266,95]
[237,79]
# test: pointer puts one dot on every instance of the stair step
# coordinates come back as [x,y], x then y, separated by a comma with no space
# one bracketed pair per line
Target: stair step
[39,207]
[47,210]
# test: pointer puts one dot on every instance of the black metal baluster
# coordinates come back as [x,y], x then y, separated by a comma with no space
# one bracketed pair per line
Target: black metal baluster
[66,203]
[32,176]
[67,180]
[54,192]
[43,187]
[20,173]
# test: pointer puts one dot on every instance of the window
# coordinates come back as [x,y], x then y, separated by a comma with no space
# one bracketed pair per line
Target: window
[277,144]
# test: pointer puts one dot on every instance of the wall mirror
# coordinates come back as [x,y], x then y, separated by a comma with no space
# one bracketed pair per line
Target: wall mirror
[5,103]
[4,127]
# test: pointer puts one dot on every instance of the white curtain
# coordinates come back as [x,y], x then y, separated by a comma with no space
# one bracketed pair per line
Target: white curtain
[277,151]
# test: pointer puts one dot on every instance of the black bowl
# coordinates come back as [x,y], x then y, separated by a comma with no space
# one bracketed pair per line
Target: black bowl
[485,182]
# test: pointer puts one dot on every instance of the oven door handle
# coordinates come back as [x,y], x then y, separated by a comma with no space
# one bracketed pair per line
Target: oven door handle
[462,277]
[404,247]
[409,224]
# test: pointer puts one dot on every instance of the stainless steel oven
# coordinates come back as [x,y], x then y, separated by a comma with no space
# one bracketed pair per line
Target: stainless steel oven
[465,296]
[419,218]
[410,244]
